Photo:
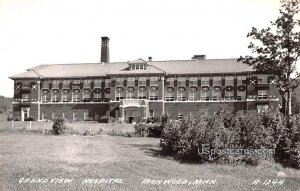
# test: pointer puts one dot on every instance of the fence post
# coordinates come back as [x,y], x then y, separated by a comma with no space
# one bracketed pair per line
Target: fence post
[30,125]
[12,123]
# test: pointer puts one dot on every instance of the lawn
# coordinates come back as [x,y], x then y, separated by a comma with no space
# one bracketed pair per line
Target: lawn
[129,160]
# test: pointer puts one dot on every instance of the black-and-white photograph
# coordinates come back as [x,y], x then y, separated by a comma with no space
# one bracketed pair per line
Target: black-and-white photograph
[134,95]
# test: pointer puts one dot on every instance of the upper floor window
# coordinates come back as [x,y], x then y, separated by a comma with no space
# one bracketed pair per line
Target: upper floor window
[204,81]
[192,96]
[153,80]
[241,95]
[170,81]
[76,84]
[141,94]
[46,84]
[119,82]
[119,96]
[153,95]
[97,97]
[25,98]
[86,83]
[55,84]
[241,80]
[169,96]
[97,83]
[65,98]
[217,81]
[229,80]
[181,81]
[216,95]
[131,81]
[181,96]
[66,84]
[130,95]
[229,95]
[139,66]
[204,96]
[262,94]
[107,83]
[193,81]
[262,79]
[142,81]
[25,84]
[86,97]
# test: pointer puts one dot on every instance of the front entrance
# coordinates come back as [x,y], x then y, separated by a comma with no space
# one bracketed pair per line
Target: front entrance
[24,113]
[132,114]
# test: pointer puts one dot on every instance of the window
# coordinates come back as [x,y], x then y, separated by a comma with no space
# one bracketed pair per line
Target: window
[204,96]
[181,81]
[85,115]
[119,96]
[131,81]
[76,84]
[193,81]
[74,116]
[53,115]
[153,80]
[262,79]
[262,95]
[107,83]
[45,98]
[25,84]
[216,95]
[192,96]
[25,98]
[86,83]
[46,84]
[229,95]
[142,81]
[130,95]
[65,98]
[169,96]
[204,81]
[76,97]
[54,97]
[119,82]
[97,97]
[170,81]
[66,84]
[151,113]
[97,83]
[262,108]
[180,117]
[229,80]
[241,95]
[217,81]
[153,95]
[55,84]
[181,96]
[241,80]
[142,95]
[86,97]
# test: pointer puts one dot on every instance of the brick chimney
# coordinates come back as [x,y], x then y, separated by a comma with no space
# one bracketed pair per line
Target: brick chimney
[199,57]
[105,49]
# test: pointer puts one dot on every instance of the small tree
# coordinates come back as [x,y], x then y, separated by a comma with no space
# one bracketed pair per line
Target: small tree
[277,50]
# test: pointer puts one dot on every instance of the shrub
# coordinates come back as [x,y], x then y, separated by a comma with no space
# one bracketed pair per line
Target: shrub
[103,119]
[152,126]
[29,119]
[58,126]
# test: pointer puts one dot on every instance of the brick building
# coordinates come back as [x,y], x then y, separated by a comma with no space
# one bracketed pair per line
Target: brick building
[137,89]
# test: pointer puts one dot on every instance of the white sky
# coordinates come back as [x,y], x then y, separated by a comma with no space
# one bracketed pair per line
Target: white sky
[34,32]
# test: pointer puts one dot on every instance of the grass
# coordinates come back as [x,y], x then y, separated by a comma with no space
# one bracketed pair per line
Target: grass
[26,155]
[78,128]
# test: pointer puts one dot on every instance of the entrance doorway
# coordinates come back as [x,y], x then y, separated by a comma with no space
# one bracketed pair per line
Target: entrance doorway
[132,114]
[24,113]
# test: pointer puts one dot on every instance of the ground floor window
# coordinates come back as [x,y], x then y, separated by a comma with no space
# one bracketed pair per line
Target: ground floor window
[151,113]
[85,115]
[262,108]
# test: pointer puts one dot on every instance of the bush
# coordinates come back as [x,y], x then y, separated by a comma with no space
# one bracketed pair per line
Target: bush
[103,119]
[152,126]
[29,119]
[194,135]
[58,126]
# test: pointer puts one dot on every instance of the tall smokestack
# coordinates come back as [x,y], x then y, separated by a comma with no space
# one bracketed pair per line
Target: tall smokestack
[105,49]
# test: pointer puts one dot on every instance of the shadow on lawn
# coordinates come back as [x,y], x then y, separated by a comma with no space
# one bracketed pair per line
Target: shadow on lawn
[152,150]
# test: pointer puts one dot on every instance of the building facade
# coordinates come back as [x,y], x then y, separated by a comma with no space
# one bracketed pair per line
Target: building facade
[138,89]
